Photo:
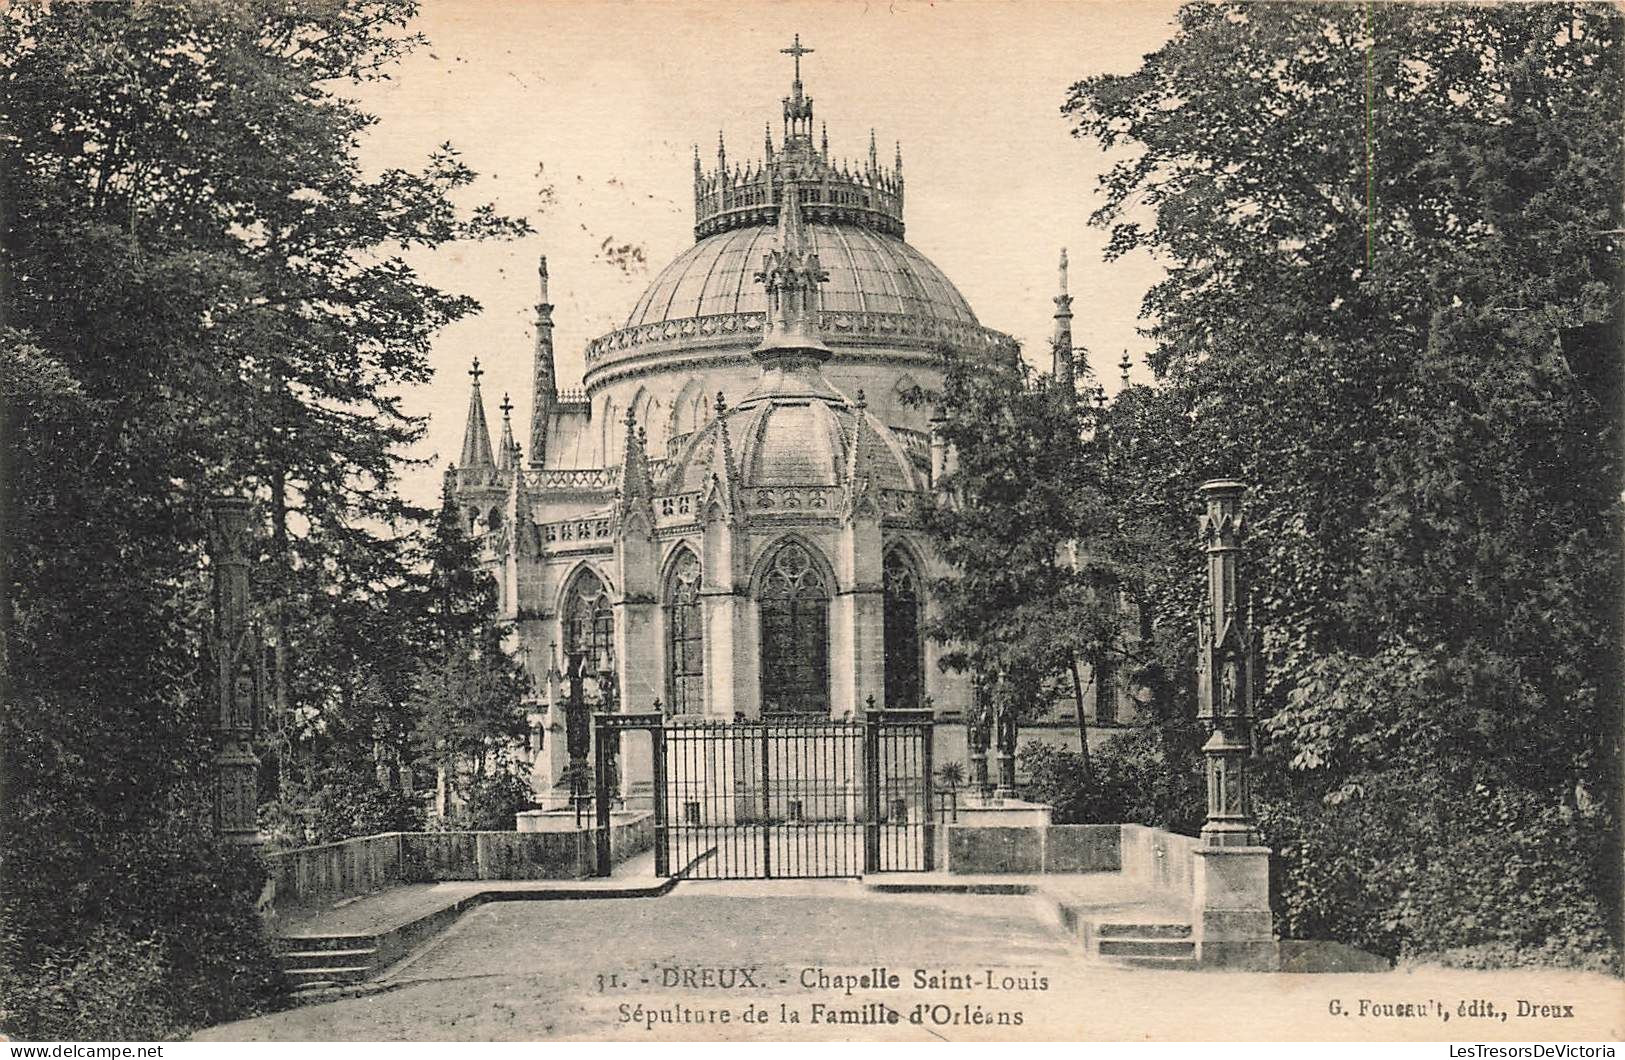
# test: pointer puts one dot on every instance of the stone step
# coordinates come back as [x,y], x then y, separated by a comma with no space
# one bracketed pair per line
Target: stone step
[303,943]
[1147,948]
[292,960]
[1143,931]
[308,977]
[1167,964]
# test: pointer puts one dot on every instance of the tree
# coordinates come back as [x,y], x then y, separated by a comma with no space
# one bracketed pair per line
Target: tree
[202,291]
[1377,223]
[1025,600]
[468,692]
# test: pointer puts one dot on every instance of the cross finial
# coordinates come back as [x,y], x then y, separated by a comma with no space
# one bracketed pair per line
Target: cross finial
[798,51]
[506,406]
[476,371]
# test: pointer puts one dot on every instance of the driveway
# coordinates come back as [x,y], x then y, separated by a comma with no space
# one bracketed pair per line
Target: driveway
[828,960]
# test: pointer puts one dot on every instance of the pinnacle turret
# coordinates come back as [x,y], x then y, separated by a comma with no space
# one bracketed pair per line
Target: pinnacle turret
[792,274]
[544,384]
[476,435]
[1061,345]
[507,448]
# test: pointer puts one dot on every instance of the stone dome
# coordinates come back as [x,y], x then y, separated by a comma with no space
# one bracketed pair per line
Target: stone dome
[869,272]
[796,442]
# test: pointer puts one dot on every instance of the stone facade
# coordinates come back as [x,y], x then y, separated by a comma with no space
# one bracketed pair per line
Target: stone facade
[724,519]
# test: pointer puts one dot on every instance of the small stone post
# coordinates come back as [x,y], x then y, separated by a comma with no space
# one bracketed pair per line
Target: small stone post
[1231,870]
[236,800]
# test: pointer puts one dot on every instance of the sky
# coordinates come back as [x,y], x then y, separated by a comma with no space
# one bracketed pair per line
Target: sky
[582,116]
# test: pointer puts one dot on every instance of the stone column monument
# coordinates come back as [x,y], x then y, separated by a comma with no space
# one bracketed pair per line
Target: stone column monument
[978,735]
[1232,869]
[236,800]
[1004,732]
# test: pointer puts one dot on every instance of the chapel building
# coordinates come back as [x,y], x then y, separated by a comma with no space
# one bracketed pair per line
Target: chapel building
[721,522]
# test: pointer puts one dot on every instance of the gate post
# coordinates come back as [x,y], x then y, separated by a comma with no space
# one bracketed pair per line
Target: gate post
[871,788]
[602,736]
[927,735]
[767,803]
[657,750]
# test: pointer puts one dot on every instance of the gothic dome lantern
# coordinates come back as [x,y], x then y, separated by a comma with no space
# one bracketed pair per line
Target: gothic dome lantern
[883,303]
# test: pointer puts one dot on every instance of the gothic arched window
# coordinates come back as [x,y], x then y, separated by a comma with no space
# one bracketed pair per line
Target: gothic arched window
[685,638]
[904,686]
[589,623]
[794,609]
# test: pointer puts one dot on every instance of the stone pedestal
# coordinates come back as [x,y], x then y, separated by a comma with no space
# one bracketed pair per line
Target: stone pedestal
[1004,813]
[549,766]
[1232,908]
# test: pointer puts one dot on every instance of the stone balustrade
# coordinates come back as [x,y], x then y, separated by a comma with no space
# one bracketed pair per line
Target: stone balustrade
[836,326]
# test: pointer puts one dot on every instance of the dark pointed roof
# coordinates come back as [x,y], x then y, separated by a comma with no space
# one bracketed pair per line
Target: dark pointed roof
[476,436]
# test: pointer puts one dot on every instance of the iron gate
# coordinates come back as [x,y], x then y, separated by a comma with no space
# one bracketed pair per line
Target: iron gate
[783,798]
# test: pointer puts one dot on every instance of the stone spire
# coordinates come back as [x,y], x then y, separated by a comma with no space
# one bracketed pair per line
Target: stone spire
[507,448]
[721,492]
[545,384]
[476,436]
[517,523]
[862,478]
[1061,344]
[635,504]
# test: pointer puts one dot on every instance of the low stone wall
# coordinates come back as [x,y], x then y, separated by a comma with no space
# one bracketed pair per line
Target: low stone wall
[369,863]
[1164,860]
[1082,848]
[336,870]
[978,849]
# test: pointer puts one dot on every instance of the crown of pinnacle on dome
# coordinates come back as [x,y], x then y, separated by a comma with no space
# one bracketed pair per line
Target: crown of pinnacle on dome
[727,198]
[792,349]
[792,275]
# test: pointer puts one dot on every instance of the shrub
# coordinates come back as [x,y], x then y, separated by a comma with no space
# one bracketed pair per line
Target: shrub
[491,803]
[1135,779]
[1405,865]
[1154,777]
[343,811]
[169,940]
[111,987]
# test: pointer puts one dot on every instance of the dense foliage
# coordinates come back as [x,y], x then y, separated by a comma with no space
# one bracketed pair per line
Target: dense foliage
[1022,610]
[202,292]
[467,691]
[1392,237]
